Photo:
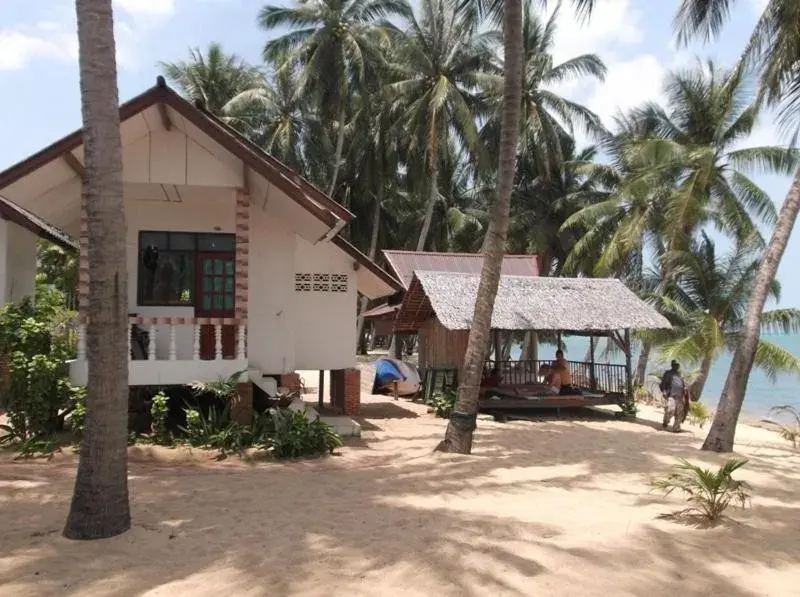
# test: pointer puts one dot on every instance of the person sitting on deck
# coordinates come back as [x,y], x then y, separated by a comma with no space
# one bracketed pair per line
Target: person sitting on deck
[552,378]
[562,368]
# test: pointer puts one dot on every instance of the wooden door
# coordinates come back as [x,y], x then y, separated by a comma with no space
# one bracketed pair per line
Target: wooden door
[215,296]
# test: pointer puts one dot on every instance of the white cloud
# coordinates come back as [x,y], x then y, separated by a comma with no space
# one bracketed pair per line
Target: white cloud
[21,46]
[149,8]
[628,83]
[55,40]
[614,24]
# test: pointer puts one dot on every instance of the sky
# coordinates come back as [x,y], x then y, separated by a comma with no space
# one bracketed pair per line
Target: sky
[40,96]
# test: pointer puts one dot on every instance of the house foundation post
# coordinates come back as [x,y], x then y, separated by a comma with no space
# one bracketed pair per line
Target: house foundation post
[346,390]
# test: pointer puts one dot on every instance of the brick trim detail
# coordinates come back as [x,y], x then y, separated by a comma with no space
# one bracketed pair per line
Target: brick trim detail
[83,263]
[242,252]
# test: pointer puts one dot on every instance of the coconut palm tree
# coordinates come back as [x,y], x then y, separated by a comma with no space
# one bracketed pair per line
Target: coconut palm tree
[543,201]
[458,436]
[679,169]
[774,50]
[547,117]
[706,310]
[338,43]
[439,65]
[100,507]
[216,79]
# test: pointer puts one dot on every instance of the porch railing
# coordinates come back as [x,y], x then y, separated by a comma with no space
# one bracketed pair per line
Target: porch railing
[598,377]
[144,332]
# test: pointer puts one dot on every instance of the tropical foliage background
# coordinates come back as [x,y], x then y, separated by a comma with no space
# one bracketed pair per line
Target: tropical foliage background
[395,110]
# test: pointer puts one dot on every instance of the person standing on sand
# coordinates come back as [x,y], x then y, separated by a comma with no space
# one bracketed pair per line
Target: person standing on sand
[673,388]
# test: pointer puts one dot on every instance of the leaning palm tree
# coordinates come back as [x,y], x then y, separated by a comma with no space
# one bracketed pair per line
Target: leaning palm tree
[216,79]
[706,307]
[773,49]
[547,117]
[458,437]
[439,65]
[338,43]
[100,507]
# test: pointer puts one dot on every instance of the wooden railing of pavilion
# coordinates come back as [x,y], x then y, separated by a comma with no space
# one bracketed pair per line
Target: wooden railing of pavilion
[596,377]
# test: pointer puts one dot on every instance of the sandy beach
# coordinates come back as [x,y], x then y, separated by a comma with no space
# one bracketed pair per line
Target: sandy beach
[548,507]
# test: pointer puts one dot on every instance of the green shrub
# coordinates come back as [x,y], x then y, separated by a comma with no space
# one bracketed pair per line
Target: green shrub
[442,403]
[201,429]
[159,411]
[699,414]
[36,338]
[293,435]
[709,493]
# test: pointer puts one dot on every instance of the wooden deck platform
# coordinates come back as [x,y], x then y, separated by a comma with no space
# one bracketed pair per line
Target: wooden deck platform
[503,401]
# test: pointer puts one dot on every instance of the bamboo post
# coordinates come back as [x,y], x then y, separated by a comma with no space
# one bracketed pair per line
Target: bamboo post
[395,391]
[628,369]
[321,389]
[592,378]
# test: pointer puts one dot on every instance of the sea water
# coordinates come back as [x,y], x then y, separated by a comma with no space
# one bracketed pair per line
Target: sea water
[762,393]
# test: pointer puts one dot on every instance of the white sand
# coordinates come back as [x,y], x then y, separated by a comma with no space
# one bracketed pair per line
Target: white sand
[544,508]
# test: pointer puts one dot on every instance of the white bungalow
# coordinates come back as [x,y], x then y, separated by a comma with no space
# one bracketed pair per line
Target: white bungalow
[234,261]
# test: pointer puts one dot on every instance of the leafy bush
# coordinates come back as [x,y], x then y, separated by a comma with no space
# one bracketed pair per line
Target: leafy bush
[709,493]
[629,407]
[36,339]
[789,432]
[294,435]
[200,429]
[221,388]
[699,414]
[442,403]
[159,411]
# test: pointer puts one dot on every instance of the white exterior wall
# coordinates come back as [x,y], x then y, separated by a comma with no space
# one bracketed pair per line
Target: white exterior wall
[271,306]
[289,330]
[198,212]
[325,322]
[17,262]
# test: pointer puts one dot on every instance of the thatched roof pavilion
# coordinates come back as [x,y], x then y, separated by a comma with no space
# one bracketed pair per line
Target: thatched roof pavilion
[439,306]
[526,303]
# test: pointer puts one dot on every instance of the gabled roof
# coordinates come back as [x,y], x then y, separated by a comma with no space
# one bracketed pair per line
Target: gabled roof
[22,217]
[294,186]
[405,263]
[291,183]
[527,303]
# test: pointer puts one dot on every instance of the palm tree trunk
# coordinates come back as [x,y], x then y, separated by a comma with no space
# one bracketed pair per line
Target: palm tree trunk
[337,158]
[100,505]
[723,429]
[641,364]
[699,382]
[373,249]
[432,198]
[458,437]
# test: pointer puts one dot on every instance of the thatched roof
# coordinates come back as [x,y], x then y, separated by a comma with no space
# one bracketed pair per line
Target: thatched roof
[527,303]
[405,263]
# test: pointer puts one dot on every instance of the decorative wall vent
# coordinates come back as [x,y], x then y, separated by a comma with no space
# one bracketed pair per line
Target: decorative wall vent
[302,282]
[338,282]
[320,282]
